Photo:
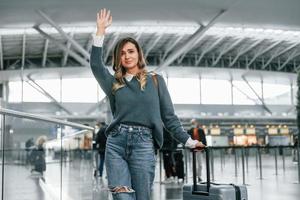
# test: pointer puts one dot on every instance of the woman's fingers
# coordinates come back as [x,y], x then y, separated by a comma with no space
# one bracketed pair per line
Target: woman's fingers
[103,13]
[110,20]
[200,144]
[107,15]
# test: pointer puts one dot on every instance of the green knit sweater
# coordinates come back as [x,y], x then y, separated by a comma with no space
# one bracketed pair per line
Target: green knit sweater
[132,105]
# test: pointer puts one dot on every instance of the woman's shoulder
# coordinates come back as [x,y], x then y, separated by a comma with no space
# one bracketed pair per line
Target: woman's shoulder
[153,73]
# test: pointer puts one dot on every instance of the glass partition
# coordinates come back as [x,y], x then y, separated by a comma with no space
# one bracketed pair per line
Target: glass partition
[26,158]
[43,160]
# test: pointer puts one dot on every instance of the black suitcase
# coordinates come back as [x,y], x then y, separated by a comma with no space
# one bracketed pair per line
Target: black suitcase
[212,191]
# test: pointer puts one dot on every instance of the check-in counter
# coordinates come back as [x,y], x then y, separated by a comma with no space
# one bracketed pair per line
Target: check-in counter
[215,138]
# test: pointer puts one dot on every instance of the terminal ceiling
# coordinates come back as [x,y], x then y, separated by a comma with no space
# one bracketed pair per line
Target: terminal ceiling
[249,35]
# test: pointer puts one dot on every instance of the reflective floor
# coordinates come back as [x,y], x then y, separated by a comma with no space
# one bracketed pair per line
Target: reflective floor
[78,182]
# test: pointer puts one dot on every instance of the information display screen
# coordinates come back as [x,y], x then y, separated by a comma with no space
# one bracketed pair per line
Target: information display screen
[215,131]
[238,131]
[272,131]
[240,140]
[250,131]
[284,131]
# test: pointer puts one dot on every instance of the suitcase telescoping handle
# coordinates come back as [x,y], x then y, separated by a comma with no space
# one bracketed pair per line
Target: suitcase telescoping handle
[195,191]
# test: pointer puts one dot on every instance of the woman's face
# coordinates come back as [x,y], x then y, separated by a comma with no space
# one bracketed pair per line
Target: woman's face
[129,56]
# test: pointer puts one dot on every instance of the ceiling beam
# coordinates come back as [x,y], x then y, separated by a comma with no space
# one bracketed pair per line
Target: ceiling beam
[224,51]
[279,54]
[1,54]
[191,47]
[23,51]
[245,50]
[30,64]
[188,44]
[291,56]
[62,46]
[45,52]
[297,69]
[66,53]
[89,43]
[75,44]
[172,44]
[208,49]
[262,51]
[111,45]
[138,36]
[152,45]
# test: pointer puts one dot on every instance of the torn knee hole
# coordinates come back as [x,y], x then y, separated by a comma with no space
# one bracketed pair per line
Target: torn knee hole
[120,189]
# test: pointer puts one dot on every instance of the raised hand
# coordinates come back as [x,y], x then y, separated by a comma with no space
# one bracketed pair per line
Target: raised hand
[104,20]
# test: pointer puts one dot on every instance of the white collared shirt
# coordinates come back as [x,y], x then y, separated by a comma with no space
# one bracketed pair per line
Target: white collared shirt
[129,77]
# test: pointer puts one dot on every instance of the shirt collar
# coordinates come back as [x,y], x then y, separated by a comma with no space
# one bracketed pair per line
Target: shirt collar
[129,76]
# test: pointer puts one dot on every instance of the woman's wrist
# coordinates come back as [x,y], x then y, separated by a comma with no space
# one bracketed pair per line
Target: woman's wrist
[100,32]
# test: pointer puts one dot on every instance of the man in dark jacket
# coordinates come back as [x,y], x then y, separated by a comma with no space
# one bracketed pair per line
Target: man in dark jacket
[101,144]
[197,133]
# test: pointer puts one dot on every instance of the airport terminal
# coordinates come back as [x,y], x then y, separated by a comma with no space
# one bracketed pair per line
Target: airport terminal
[231,69]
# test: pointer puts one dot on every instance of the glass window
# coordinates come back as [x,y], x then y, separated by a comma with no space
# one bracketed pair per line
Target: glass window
[243,95]
[277,94]
[101,93]
[51,86]
[215,91]
[79,90]
[15,91]
[31,94]
[184,90]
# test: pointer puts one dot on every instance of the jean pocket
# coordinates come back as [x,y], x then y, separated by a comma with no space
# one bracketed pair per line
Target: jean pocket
[114,132]
[146,137]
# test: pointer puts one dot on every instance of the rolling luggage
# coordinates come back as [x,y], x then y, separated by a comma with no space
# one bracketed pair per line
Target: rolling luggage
[212,191]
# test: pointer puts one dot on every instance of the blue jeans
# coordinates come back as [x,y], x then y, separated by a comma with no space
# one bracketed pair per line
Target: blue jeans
[130,162]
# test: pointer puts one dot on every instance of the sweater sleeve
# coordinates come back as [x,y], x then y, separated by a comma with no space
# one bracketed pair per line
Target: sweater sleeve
[170,120]
[101,73]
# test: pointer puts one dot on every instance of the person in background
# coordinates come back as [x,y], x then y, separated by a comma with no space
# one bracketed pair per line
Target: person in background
[28,145]
[169,146]
[101,144]
[95,149]
[295,150]
[139,102]
[38,156]
[197,133]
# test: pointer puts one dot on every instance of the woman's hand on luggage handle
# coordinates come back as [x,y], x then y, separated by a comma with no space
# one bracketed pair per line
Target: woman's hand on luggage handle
[199,145]
[104,20]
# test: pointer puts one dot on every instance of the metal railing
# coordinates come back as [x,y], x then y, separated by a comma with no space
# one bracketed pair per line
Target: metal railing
[241,156]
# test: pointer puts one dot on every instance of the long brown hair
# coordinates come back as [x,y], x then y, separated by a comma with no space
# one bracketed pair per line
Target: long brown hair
[120,71]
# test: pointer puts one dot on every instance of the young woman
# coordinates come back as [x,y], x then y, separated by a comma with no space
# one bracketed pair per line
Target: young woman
[139,106]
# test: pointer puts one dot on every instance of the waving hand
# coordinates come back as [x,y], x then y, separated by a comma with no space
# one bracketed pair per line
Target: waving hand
[104,20]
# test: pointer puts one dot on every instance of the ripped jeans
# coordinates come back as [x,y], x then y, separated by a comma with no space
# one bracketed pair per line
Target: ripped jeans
[130,162]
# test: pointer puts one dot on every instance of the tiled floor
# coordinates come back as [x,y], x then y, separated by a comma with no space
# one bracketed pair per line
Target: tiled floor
[78,182]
